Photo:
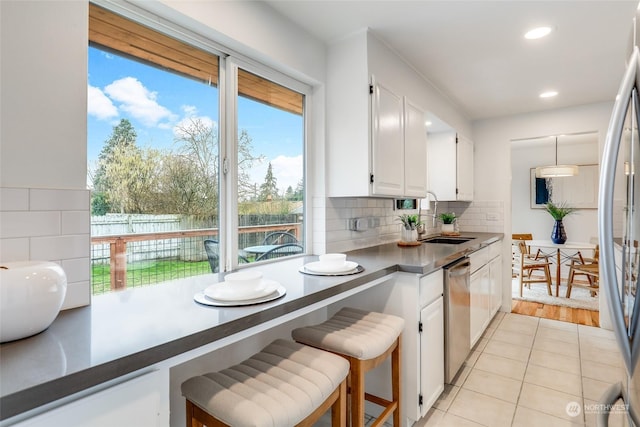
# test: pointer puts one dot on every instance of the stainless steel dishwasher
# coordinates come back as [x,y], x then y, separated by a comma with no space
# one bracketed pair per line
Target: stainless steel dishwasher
[457,342]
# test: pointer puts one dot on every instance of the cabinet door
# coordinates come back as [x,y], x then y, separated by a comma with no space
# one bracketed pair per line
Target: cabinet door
[495,271]
[415,151]
[441,164]
[432,354]
[387,142]
[479,302]
[464,174]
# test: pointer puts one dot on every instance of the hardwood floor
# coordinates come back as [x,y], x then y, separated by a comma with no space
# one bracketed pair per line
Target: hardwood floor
[566,314]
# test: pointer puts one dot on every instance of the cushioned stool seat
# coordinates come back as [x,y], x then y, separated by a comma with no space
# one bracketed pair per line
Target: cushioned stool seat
[366,339]
[286,384]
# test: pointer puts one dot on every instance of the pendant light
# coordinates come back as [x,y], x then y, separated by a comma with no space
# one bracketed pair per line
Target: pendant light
[556,171]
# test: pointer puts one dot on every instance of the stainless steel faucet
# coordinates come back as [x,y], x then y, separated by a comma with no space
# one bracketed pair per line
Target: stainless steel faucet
[435,211]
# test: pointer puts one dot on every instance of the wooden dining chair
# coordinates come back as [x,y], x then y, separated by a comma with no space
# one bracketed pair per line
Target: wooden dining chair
[515,252]
[525,266]
[588,268]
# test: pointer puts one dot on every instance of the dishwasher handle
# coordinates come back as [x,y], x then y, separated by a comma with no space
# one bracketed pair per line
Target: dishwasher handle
[461,268]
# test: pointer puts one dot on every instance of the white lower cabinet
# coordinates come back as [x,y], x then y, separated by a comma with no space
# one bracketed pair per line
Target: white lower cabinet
[479,303]
[495,273]
[432,346]
[418,300]
[485,288]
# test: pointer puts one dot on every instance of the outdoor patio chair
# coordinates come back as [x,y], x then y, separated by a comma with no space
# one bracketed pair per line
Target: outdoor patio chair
[212,248]
[281,250]
[279,238]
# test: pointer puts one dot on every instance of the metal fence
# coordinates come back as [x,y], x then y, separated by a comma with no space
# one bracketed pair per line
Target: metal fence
[135,259]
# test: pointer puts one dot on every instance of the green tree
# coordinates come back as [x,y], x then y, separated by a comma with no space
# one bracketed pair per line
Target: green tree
[288,194]
[298,194]
[122,135]
[133,177]
[269,188]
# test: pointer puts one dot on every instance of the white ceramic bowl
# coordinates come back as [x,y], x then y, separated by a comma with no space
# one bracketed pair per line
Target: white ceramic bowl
[244,282]
[31,294]
[333,260]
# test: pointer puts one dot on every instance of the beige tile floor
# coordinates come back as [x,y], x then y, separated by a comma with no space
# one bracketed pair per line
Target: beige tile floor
[525,371]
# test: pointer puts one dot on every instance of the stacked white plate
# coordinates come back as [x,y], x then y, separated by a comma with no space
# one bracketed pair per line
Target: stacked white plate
[226,292]
[243,288]
[331,264]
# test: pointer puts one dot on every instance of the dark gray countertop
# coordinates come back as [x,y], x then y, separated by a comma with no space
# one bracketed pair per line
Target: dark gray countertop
[125,331]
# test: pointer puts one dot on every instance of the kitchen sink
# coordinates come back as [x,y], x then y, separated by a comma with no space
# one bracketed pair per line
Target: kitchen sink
[447,240]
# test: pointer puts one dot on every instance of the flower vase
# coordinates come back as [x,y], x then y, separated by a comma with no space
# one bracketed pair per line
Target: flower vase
[558,235]
[410,235]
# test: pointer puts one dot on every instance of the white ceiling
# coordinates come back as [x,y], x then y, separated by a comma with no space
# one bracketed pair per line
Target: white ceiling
[475,52]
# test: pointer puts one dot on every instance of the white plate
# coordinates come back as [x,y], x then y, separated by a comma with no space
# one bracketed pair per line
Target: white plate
[224,291]
[204,300]
[319,267]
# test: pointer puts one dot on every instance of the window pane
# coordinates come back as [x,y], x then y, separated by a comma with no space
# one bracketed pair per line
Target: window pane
[270,169]
[153,167]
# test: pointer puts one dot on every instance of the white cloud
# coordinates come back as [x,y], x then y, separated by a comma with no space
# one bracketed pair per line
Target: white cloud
[138,101]
[288,171]
[99,105]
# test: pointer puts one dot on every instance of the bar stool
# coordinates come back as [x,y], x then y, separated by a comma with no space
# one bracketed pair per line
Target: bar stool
[286,384]
[365,339]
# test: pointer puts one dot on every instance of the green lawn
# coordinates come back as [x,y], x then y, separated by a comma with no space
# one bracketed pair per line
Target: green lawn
[147,273]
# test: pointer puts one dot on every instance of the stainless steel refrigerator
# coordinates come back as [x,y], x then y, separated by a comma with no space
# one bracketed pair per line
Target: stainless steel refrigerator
[619,235]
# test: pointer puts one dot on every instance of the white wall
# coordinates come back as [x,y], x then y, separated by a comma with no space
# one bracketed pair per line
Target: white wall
[581,226]
[492,172]
[44,205]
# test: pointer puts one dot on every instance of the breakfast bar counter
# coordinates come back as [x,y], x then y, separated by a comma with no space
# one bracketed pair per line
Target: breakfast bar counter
[128,331]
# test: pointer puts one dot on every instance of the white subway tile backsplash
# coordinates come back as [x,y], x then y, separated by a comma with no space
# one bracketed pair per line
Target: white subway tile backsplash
[472,217]
[29,224]
[60,247]
[49,200]
[78,295]
[77,269]
[14,199]
[49,225]
[14,249]
[75,222]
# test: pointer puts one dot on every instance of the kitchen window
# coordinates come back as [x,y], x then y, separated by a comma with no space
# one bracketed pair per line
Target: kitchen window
[179,156]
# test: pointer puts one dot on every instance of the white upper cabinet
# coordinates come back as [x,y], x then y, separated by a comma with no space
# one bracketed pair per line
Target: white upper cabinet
[415,151]
[376,137]
[387,142]
[450,166]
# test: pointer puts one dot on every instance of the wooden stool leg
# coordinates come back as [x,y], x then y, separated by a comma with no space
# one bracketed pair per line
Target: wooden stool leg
[339,408]
[357,393]
[396,375]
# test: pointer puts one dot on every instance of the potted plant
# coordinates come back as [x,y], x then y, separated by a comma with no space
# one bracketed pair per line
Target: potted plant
[410,223]
[448,220]
[558,212]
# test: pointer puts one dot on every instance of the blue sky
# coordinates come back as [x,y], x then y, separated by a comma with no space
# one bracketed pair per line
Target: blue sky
[155,101]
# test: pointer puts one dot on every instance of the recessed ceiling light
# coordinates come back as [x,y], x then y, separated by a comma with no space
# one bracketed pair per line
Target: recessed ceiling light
[428,123]
[548,94]
[537,33]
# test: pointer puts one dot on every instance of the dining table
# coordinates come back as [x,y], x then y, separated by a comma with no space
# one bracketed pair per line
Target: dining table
[560,252]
